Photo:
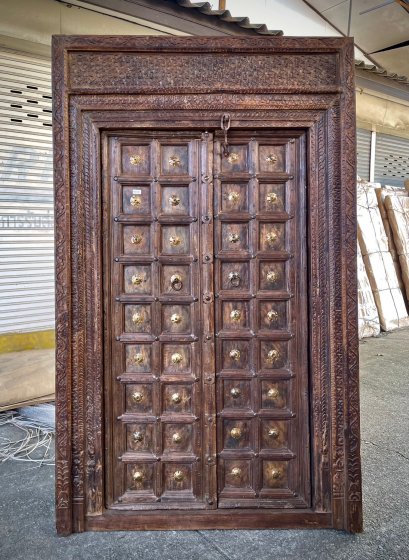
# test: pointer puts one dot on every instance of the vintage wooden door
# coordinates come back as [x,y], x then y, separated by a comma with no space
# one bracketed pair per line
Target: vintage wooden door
[206,246]
[206,329]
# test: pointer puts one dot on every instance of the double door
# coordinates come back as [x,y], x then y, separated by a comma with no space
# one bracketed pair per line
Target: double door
[206,324]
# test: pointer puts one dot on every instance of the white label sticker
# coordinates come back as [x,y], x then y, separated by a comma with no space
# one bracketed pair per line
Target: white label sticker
[136,191]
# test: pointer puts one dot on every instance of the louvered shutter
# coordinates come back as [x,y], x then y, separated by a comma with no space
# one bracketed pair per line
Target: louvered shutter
[26,194]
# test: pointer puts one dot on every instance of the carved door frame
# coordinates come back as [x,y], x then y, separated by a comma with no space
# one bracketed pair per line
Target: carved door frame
[103,84]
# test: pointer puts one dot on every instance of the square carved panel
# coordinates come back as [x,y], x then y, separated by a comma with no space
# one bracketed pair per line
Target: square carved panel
[235,315]
[235,354]
[235,275]
[272,159]
[176,319]
[271,237]
[176,398]
[138,318]
[237,160]
[140,478]
[138,397]
[137,240]
[138,279]
[175,279]
[272,275]
[136,160]
[271,197]
[237,434]
[236,394]
[177,480]
[139,437]
[275,475]
[273,354]
[274,434]
[175,240]
[234,197]
[272,315]
[237,475]
[175,160]
[136,199]
[177,438]
[138,358]
[175,200]
[275,394]
[234,236]
[176,359]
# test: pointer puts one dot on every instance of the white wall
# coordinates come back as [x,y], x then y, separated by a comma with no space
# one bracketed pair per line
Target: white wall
[294,17]
[35,21]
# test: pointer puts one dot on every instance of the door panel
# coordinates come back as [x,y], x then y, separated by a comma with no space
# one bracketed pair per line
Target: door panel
[179,279]
[261,365]
[157,443]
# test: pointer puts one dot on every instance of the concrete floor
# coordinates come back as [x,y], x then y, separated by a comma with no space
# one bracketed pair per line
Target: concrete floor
[27,495]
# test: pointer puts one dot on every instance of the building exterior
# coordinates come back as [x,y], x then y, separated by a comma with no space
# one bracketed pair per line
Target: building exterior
[26,168]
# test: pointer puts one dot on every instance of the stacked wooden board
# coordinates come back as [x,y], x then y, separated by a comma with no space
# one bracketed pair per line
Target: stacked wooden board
[398,215]
[381,194]
[368,318]
[378,261]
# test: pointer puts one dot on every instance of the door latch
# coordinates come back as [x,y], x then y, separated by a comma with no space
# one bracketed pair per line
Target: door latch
[225,125]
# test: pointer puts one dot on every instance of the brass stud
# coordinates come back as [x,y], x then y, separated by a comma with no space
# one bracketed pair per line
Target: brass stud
[233,157]
[235,314]
[273,355]
[233,196]
[175,318]
[135,201]
[176,398]
[136,279]
[234,237]
[136,239]
[273,433]
[271,158]
[271,198]
[236,472]
[272,315]
[176,438]
[137,396]
[176,358]
[178,476]
[138,358]
[271,237]
[234,354]
[138,476]
[174,200]
[272,393]
[136,159]
[174,161]
[174,240]
[272,276]
[137,436]
[235,392]
[137,318]
[236,433]
[275,473]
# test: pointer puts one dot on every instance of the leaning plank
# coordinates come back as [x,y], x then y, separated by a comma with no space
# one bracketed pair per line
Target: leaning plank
[368,318]
[378,261]
[381,193]
[398,213]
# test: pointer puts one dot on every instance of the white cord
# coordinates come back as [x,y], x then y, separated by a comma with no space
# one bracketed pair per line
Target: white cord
[34,445]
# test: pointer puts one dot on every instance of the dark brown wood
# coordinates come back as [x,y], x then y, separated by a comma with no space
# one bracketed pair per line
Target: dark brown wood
[207,368]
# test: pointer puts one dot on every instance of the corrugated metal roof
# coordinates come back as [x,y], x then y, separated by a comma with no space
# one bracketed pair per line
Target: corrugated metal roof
[262,29]
[225,15]
[381,72]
